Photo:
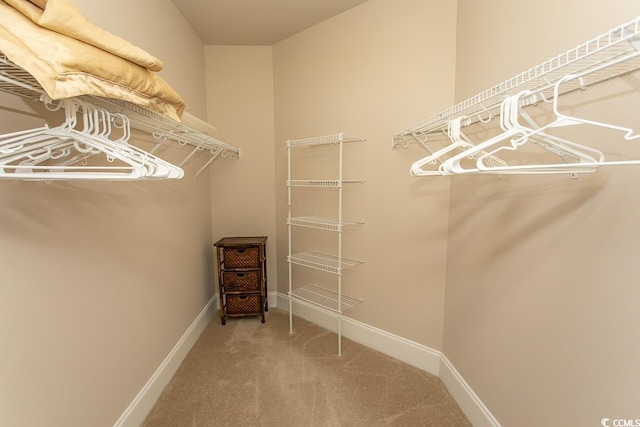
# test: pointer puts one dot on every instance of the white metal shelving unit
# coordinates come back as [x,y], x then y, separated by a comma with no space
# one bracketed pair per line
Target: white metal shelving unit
[333,301]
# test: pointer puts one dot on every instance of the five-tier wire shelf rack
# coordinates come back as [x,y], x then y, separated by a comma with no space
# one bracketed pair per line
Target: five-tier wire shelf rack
[331,300]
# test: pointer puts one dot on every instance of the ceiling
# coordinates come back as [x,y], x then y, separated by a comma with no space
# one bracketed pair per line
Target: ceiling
[256,22]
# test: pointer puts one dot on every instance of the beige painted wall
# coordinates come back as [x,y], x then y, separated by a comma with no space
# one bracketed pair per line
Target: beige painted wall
[100,280]
[541,313]
[371,72]
[240,105]
[539,316]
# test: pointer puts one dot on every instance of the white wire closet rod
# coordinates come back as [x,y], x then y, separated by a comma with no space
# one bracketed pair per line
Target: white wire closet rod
[609,55]
[320,223]
[324,298]
[321,261]
[17,81]
[323,140]
[321,183]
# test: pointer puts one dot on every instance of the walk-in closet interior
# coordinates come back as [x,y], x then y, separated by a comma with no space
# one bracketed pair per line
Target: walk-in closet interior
[497,231]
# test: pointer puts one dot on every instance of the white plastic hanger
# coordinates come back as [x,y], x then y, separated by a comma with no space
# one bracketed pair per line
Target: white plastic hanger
[96,137]
[561,120]
[100,123]
[28,161]
[452,166]
[566,120]
[453,131]
[583,157]
[458,141]
[516,135]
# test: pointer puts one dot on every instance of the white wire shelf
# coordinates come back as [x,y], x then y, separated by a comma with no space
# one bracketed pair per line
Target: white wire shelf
[322,261]
[17,81]
[609,55]
[162,127]
[320,223]
[322,140]
[321,183]
[324,298]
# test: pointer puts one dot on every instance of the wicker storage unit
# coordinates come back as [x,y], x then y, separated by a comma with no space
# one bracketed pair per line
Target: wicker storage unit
[241,304]
[242,277]
[235,281]
[241,257]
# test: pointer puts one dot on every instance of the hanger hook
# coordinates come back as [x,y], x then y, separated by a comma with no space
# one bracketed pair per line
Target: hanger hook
[544,98]
[489,115]
[420,140]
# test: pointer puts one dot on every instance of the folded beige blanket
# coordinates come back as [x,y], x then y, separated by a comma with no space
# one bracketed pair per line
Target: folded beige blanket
[66,66]
[63,17]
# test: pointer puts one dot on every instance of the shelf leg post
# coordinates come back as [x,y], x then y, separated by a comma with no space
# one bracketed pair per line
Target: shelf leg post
[289,236]
[339,335]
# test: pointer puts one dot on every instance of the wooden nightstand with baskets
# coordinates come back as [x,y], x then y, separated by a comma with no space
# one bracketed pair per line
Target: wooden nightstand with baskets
[242,276]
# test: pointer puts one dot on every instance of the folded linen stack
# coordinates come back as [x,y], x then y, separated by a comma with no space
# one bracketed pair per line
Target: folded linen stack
[70,56]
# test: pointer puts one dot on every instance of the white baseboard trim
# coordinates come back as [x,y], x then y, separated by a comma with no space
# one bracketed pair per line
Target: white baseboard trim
[272,297]
[142,404]
[473,408]
[408,351]
[418,355]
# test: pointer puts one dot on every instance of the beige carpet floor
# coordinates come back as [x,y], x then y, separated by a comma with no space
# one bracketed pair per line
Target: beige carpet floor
[251,374]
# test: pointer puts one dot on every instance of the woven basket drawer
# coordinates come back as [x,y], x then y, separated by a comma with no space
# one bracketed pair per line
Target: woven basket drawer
[241,257]
[242,304]
[241,281]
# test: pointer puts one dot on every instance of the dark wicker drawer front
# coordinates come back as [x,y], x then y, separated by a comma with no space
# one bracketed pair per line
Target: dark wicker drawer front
[243,304]
[239,282]
[241,257]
